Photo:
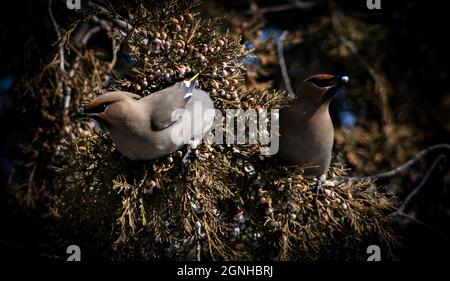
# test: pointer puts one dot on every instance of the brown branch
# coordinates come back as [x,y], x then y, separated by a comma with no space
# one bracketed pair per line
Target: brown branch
[115,49]
[416,190]
[352,47]
[89,34]
[65,90]
[405,166]
[58,35]
[197,238]
[378,78]
[424,225]
[208,238]
[284,7]
[282,62]
[123,26]
[108,26]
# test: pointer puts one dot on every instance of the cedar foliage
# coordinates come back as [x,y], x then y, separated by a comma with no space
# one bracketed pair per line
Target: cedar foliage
[231,203]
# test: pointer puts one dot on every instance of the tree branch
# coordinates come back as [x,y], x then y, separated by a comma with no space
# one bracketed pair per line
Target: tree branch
[89,34]
[416,190]
[58,35]
[115,48]
[123,26]
[66,91]
[284,7]
[379,79]
[405,166]
[282,62]
[424,225]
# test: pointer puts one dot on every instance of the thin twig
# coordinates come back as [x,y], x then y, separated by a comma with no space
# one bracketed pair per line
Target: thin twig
[107,26]
[58,35]
[416,190]
[424,225]
[65,90]
[282,62]
[199,250]
[89,34]
[193,30]
[352,47]
[405,166]
[115,49]
[199,247]
[123,26]
[284,7]
[378,79]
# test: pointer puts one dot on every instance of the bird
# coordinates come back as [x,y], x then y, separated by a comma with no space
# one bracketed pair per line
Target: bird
[306,129]
[150,127]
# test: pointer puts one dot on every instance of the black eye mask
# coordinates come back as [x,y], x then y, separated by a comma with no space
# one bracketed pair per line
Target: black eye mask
[334,84]
[324,82]
[98,109]
[93,113]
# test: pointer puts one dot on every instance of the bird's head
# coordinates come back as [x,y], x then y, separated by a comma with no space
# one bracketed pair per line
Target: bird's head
[321,88]
[108,108]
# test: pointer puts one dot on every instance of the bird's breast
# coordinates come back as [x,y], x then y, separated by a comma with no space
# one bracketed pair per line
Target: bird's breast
[307,139]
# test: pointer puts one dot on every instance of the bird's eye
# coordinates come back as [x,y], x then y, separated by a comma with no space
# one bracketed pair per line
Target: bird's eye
[100,108]
[103,107]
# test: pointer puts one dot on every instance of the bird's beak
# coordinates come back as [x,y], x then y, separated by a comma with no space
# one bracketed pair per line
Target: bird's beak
[337,84]
[86,113]
[344,79]
[340,81]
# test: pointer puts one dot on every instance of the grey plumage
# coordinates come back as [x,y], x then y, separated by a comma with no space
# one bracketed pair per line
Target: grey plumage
[306,129]
[143,128]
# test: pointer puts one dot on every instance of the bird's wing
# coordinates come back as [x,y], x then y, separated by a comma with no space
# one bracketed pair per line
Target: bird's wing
[164,103]
[203,115]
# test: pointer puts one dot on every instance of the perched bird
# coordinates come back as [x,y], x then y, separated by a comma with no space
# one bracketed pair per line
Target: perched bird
[155,125]
[306,130]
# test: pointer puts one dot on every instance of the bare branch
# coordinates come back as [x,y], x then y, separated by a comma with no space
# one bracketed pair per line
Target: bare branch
[115,48]
[58,35]
[63,88]
[405,166]
[284,71]
[378,78]
[89,34]
[424,225]
[106,25]
[284,7]
[416,190]
[52,18]
[122,25]
[352,47]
